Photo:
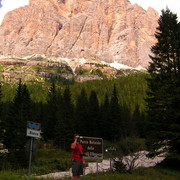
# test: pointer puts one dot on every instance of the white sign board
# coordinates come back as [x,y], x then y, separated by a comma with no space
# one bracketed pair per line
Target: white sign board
[33,133]
[33,129]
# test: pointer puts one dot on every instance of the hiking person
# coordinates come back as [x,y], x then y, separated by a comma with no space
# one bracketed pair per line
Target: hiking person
[77,158]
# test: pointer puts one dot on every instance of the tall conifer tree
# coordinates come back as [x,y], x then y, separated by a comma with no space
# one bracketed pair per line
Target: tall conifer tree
[81,114]
[115,117]
[65,125]
[164,84]
[104,119]
[20,113]
[93,118]
[16,125]
[1,117]
[127,123]
[51,112]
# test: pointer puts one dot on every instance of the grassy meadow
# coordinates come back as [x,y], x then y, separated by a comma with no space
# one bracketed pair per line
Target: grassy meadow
[56,160]
[138,174]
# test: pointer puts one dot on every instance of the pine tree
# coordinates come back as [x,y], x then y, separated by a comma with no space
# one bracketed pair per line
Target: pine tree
[104,119]
[51,114]
[115,117]
[81,114]
[164,84]
[65,124]
[127,123]
[16,125]
[1,117]
[20,113]
[93,118]
[138,119]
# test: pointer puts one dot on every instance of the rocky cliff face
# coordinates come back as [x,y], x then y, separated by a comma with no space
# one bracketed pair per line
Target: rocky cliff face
[107,30]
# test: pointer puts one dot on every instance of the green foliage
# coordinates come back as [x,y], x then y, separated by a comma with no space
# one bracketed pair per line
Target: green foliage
[97,72]
[44,161]
[56,105]
[138,174]
[118,166]
[1,117]
[81,113]
[50,160]
[37,58]
[16,122]
[50,122]
[93,115]
[104,120]
[93,108]
[171,162]
[128,147]
[15,127]
[83,72]
[115,117]
[164,85]
[51,69]
[8,92]
[65,120]
[131,90]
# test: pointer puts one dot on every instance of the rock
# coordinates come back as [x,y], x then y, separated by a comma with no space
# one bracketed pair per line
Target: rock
[107,30]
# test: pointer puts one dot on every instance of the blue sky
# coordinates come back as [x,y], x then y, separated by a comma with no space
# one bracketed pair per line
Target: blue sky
[173,5]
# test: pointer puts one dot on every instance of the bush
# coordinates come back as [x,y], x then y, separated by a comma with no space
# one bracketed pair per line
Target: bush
[4,164]
[127,152]
[170,163]
[15,159]
[118,166]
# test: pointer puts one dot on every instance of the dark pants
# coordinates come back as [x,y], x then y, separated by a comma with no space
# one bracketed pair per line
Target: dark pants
[77,167]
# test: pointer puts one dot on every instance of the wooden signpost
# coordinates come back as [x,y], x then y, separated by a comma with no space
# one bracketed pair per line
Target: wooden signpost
[92,149]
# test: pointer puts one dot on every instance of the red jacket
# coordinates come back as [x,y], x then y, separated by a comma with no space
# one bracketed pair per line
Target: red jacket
[76,152]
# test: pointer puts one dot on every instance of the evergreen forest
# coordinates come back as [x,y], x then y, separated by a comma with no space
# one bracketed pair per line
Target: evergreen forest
[86,108]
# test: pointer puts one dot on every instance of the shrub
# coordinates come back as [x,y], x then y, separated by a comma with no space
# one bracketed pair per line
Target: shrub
[127,152]
[172,162]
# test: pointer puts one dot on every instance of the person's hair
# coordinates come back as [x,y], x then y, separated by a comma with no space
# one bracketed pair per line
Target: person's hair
[76,135]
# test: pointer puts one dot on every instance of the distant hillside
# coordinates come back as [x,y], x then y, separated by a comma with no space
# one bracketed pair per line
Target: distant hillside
[39,69]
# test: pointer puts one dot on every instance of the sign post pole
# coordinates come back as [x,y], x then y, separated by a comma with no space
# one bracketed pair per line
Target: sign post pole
[97,170]
[110,162]
[30,158]
[33,131]
[83,173]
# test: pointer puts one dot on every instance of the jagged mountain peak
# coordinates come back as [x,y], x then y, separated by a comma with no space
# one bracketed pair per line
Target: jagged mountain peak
[108,30]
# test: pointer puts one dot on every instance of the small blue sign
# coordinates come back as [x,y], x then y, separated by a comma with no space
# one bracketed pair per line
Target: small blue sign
[33,125]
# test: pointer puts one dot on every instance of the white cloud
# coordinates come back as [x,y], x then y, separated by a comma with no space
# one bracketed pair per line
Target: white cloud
[158,5]
[9,5]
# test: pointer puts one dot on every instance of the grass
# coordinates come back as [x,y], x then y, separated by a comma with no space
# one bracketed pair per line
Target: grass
[12,175]
[51,69]
[50,160]
[44,161]
[56,160]
[138,174]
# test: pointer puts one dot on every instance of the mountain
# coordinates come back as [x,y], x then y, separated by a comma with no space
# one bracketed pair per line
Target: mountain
[40,69]
[103,30]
